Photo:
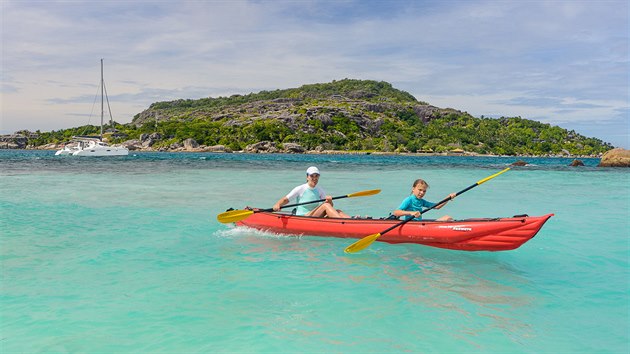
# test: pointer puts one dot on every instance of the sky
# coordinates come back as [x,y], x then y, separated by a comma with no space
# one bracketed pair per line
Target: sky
[565,63]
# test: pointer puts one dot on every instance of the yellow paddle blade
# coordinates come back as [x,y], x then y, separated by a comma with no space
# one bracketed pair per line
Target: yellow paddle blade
[491,177]
[362,243]
[233,216]
[364,193]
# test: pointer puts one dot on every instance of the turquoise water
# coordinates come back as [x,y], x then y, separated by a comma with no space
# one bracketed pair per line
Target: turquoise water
[126,255]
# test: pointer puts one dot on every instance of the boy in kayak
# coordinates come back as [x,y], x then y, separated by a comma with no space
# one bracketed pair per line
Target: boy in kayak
[414,204]
[307,192]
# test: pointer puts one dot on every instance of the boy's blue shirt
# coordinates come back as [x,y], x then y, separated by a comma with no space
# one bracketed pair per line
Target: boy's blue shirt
[411,203]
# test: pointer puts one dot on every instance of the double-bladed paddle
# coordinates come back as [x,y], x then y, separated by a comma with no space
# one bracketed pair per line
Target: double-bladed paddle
[237,215]
[368,240]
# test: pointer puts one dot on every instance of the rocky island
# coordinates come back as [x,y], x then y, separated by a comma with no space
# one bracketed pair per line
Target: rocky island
[345,116]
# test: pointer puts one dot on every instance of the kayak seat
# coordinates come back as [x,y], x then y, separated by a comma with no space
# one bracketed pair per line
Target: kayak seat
[391,217]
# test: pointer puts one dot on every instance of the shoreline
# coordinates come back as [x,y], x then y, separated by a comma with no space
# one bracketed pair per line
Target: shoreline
[335,152]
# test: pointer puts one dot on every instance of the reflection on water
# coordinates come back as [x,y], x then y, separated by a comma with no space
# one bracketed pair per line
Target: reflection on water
[413,280]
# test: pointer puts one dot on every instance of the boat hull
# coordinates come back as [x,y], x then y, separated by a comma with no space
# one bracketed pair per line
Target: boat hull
[109,151]
[100,148]
[496,234]
[64,152]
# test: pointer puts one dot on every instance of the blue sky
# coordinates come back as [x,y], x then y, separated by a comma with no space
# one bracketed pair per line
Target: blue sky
[564,63]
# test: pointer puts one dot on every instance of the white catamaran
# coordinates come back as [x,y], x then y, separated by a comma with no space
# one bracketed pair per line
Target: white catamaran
[93,145]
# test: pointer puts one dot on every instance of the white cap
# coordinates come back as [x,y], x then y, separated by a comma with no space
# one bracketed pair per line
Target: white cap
[311,170]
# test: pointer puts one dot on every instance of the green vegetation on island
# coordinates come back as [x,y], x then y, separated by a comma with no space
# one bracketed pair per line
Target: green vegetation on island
[347,114]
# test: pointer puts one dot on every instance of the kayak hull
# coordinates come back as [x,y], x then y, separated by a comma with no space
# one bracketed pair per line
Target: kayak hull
[487,234]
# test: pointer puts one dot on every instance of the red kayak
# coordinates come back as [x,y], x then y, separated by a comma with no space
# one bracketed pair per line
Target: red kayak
[491,234]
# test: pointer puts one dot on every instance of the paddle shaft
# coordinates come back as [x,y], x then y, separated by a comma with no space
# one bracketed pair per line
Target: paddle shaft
[444,201]
[425,210]
[368,240]
[236,215]
[303,203]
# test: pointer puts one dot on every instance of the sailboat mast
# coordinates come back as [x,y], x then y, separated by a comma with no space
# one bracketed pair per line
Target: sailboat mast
[102,97]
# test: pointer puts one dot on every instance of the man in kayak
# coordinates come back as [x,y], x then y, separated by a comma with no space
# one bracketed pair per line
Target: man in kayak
[308,192]
[414,204]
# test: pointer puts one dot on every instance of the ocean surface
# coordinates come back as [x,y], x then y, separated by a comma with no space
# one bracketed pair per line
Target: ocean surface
[126,255]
